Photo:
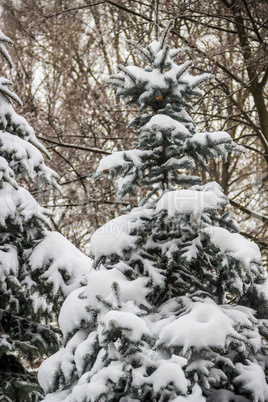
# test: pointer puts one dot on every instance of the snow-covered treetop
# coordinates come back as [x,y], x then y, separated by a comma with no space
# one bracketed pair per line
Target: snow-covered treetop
[168,146]
[163,82]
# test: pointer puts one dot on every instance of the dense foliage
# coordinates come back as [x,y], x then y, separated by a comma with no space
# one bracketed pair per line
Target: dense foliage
[38,267]
[176,306]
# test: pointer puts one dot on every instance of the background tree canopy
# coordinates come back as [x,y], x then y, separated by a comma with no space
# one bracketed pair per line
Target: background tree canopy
[63,54]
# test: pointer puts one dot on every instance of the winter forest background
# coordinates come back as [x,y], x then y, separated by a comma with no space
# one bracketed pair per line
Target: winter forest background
[64,52]
[189,264]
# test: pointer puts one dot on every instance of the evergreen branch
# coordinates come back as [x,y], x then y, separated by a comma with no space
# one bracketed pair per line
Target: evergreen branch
[3,50]
[183,67]
[4,84]
[116,77]
[127,72]
[142,51]
[116,290]
[189,44]
[6,55]
[4,38]
[104,302]
[22,329]
[163,58]
[116,82]
[200,79]
[190,277]
[150,51]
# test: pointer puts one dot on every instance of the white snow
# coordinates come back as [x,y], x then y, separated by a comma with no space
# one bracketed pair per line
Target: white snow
[7,174]
[240,315]
[164,122]
[155,79]
[192,201]
[196,396]
[205,324]
[19,206]
[98,384]
[234,245]
[201,365]
[67,365]
[169,371]
[191,251]
[253,379]
[217,137]
[177,163]
[9,264]
[59,255]
[48,370]
[155,46]
[73,312]
[26,158]
[5,92]
[122,158]
[23,153]
[38,302]
[23,128]
[262,289]
[58,396]
[114,237]
[159,57]
[100,284]
[133,326]
[84,348]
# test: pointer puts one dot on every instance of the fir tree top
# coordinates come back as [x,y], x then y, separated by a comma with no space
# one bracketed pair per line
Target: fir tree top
[168,145]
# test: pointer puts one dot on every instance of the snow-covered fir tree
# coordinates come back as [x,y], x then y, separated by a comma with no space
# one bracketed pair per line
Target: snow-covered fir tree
[176,308]
[38,267]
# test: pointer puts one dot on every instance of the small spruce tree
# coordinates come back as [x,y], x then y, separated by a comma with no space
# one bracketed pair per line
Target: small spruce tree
[38,267]
[176,307]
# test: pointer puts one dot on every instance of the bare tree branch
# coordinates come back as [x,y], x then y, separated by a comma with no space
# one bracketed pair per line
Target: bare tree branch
[62,144]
